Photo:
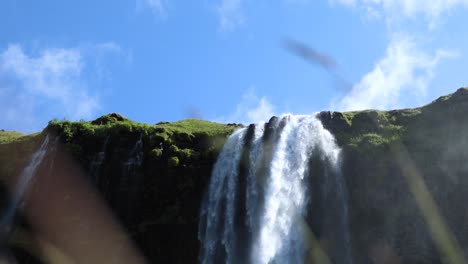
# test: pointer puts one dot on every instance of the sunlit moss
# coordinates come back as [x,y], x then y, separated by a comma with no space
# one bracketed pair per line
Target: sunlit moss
[156,153]
[173,162]
[7,136]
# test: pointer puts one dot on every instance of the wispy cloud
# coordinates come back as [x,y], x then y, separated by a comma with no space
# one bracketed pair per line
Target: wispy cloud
[99,55]
[157,7]
[251,109]
[301,2]
[414,9]
[405,70]
[51,83]
[344,2]
[230,14]
[109,47]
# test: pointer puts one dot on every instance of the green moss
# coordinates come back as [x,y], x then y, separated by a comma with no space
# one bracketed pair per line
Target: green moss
[173,162]
[156,153]
[173,150]
[348,117]
[370,140]
[359,116]
[372,128]
[190,127]
[185,154]
[181,133]
[110,118]
[9,136]
[177,144]
[69,130]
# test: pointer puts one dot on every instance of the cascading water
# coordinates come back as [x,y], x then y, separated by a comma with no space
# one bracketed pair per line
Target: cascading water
[129,168]
[24,181]
[135,158]
[97,162]
[259,194]
[134,161]
[132,180]
[217,235]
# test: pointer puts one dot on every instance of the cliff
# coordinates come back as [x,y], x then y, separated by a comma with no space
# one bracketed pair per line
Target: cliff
[405,172]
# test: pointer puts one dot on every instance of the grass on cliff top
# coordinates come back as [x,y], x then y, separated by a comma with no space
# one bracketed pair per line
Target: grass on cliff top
[177,142]
[8,136]
[375,114]
[375,128]
[114,124]
[196,126]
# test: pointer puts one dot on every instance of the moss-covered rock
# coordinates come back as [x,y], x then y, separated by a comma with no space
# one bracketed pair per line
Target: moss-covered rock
[156,153]
[386,208]
[7,136]
[165,189]
[173,162]
[158,201]
[110,118]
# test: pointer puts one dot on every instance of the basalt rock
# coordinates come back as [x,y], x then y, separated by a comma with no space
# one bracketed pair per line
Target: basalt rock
[404,170]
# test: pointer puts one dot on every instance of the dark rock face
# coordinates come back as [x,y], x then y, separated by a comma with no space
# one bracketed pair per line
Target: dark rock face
[155,200]
[110,118]
[334,121]
[391,218]
[403,170]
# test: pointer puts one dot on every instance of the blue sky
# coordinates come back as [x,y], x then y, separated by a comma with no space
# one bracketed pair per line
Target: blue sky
[223,60]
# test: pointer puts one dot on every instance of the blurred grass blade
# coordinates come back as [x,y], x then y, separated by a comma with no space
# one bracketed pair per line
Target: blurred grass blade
[443,238]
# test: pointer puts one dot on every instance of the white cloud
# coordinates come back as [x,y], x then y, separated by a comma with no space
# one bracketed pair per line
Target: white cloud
[157,7]
[36,88]
[102,54]
[344,2]
[297,1]
[230,14]
[109,47]
[251,109]
[394,10]
[404,71]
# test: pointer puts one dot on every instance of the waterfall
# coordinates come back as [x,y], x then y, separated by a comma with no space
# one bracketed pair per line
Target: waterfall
[258,194]
[97,162]
[24,181]
[135,158]
[132,180]
[216,232]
